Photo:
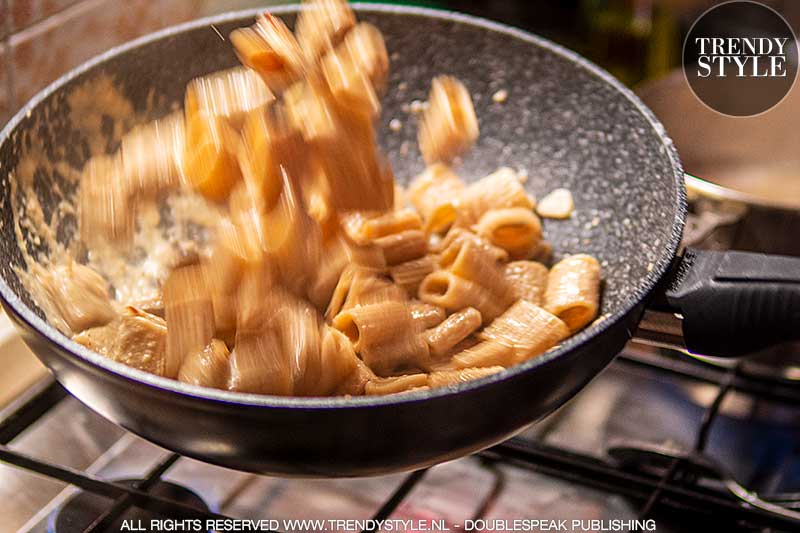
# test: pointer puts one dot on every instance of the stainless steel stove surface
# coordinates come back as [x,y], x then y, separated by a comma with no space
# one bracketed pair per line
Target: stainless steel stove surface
[658,437]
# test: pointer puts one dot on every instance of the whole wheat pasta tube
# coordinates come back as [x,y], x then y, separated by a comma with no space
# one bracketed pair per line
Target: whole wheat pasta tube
[445,289]
[355,382]
[151,156]
[228,94]
[105,207]
[484,354]
[363,228]
[334,258]
[449,126]
[434,194]
[453,330]
[498,190]
[209,158]
[573,290]
[368,287]
[386,336]
[321,25]
[456,238]
[270,49]
[269,144]
[529,280]
[474,264]
[367,49]
[527,328]
[374,324]
[298,327]
[395,384]
[209,367]
[403,354]
[516,230]
[259,365]
[426,315]
[404,246]
[338,360]
[189,314]
[410,274]
[349,84]
[444,378]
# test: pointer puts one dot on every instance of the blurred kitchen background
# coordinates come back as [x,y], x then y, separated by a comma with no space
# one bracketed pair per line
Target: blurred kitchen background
[639,41]
[636,40]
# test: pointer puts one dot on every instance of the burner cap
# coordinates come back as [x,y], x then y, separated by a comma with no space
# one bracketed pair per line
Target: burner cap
[83,508]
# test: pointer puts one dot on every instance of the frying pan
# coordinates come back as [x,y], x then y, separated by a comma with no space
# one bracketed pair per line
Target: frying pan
[569,123]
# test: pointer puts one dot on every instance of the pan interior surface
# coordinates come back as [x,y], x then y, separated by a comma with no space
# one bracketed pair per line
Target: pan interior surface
[564,122]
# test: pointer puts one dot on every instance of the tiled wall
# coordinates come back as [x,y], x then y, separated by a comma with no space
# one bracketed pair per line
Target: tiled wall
[42,39]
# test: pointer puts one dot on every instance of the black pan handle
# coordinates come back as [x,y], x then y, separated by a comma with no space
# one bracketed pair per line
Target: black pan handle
[734,303]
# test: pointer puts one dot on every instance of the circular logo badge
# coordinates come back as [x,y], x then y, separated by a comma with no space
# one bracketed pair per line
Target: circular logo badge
[740,58]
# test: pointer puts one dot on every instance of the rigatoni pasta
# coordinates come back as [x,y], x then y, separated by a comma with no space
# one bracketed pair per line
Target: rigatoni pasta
[317,274]
[445,378]
[445,289]
[527,328]
[573,290]
[434,194]
[449,126]
[403,246]
[409,275]
[529,280]
[500,189]
[514,229]
[453,330]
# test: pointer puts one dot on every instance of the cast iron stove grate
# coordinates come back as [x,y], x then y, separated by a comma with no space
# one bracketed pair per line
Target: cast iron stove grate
[664,481]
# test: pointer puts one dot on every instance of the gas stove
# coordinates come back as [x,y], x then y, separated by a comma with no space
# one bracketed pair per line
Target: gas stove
[659,441]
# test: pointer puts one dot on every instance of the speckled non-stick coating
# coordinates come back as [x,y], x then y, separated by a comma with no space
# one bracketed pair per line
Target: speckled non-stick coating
[565,122]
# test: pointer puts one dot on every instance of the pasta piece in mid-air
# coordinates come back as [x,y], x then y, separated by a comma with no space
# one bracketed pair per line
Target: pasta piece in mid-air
[258,364]
[338,360]
[270,49]
[151,157]
[189,315]
[449,126]
[209,367]
[321,25]
[229,94]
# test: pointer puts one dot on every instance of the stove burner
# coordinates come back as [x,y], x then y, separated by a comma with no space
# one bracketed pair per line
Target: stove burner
[84,508]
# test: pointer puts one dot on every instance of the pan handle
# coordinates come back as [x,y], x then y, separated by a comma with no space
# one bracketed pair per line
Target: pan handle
[734,303]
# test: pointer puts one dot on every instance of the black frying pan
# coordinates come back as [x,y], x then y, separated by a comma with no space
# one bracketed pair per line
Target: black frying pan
[566,121]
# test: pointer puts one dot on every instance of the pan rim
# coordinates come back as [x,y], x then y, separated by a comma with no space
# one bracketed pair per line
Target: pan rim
[116,370]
